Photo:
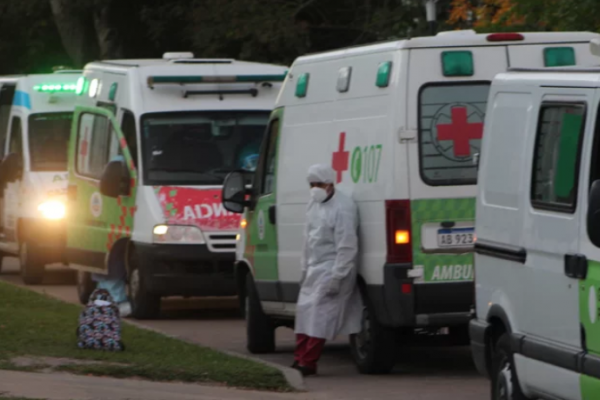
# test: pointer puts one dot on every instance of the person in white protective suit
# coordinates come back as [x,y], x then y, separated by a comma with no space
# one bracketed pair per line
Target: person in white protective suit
[329,303]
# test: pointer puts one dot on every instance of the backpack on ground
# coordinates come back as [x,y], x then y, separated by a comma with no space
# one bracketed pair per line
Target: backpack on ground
[100,324]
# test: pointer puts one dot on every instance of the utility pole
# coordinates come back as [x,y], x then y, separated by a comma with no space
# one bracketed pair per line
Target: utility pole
[430,8]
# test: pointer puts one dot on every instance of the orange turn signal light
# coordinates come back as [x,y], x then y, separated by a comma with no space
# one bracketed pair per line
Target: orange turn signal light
[243,223]
[402,237]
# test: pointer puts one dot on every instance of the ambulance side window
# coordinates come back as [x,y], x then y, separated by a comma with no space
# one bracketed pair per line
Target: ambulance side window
[555,175]
[268,178]
[93,145]
[16,137]
[128,129]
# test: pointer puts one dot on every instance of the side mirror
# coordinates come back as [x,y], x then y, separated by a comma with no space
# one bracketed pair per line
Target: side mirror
[234,193]
[115,180]
[11,168]
[593,214]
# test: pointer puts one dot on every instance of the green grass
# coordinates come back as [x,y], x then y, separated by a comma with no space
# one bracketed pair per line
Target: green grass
[32,324]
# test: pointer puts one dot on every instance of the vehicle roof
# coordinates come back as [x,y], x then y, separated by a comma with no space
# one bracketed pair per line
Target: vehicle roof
[558,76]
[460,38]
[186,66]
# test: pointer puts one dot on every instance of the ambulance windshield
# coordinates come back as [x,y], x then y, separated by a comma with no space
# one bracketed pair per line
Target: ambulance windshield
[200,148]
[48,140]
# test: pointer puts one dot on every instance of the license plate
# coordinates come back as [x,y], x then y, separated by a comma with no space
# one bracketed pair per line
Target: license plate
[459,237]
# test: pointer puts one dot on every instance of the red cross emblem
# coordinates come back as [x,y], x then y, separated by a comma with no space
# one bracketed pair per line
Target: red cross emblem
[460,131]
[340,159]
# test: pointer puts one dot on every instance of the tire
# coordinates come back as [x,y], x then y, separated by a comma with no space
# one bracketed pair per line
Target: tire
[32,263]
[374,348]
[505,384]
[260,329]
[85,286]
[144,305]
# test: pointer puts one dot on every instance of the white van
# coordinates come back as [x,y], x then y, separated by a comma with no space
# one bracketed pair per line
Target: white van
[537,330]
[151,144]
[401,123]
[35,125]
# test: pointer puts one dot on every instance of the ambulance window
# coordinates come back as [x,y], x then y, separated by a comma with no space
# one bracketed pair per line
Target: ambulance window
[271,160]
[93,145]
[128,129]
[7,93]
[451,119]
[556,159]
[16,136]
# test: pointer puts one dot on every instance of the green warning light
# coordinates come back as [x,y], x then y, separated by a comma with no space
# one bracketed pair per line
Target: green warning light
[56,87]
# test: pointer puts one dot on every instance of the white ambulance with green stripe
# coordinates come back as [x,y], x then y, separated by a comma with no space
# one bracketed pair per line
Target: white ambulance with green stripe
[152,141]
[537,330]
[35,121]
[401,124]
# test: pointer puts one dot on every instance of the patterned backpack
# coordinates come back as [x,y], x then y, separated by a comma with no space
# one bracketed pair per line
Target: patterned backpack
[100,324]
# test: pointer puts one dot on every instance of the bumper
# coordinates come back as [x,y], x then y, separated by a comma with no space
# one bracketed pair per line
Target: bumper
[49,235]
[478,333]
[186,270]
[435,305]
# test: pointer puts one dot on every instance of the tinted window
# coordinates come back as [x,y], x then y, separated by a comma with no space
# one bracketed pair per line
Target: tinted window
[16,137]
[271,165]
[48,141]
[200,148]
[556,161]
[450,130]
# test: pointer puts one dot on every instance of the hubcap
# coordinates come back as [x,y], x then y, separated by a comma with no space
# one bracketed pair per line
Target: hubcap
[505,389]
[363,338]
[134,284]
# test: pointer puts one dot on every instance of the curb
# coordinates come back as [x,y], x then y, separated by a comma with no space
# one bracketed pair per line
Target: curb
[292,376]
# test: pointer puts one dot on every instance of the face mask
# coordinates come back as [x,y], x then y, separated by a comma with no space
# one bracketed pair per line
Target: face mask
[319,195]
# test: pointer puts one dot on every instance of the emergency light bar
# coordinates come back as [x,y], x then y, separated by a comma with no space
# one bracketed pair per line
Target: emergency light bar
[56,87]
[182,80]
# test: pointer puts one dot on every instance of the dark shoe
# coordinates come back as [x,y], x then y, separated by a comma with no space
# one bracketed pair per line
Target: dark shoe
[306,371]
[294,365]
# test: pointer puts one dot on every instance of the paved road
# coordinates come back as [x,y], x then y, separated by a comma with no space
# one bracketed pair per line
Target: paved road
[430,372]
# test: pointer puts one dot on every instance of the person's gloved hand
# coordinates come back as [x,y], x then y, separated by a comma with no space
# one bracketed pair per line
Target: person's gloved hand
[333,288]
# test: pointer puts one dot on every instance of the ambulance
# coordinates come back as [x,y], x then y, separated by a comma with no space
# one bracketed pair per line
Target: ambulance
[401,124]
[35,122]
[151,143]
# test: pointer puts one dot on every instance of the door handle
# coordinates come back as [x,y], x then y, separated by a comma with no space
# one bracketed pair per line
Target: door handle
[576,266]
[273,214]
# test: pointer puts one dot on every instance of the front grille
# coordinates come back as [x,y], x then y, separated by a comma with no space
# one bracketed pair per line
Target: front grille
[221,242]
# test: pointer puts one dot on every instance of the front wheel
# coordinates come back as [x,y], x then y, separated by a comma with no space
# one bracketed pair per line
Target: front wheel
[505,384]
[32,264]
[144,305]
[85,286]
[374,348]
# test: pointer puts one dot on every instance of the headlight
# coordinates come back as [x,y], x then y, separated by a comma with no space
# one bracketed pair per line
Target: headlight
[177,234]
[52,209]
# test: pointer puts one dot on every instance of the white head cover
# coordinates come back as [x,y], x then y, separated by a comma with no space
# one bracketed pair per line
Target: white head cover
[321,173]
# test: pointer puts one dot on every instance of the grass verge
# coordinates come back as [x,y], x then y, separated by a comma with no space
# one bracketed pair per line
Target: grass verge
[35,325]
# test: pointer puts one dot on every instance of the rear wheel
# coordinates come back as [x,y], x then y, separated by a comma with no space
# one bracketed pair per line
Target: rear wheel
[32,264]
[260,329]
[85,286]
[144,305]
[374,348]
[505,384]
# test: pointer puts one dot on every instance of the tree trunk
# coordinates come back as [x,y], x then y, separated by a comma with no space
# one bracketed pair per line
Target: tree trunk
[111,46]
[76,28]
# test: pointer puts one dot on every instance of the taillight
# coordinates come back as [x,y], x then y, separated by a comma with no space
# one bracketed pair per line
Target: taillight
[504,37]
[399,235]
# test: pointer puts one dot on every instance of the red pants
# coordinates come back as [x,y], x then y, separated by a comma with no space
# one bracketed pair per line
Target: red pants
[308,350]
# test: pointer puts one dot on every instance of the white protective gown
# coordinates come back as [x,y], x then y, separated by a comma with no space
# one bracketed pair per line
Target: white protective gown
[330,249]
